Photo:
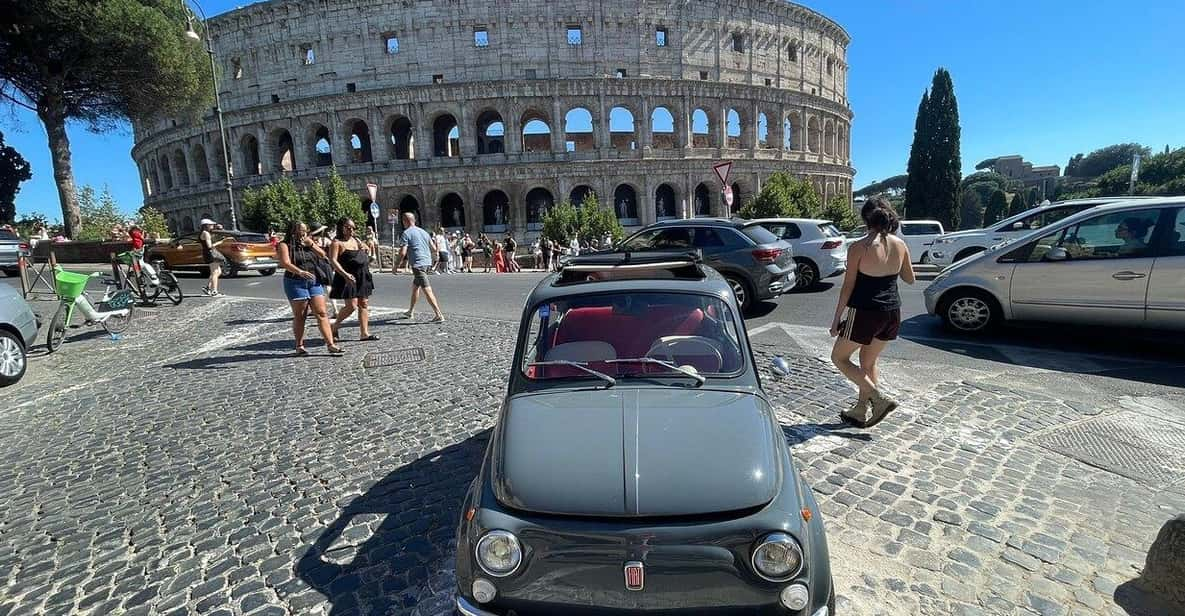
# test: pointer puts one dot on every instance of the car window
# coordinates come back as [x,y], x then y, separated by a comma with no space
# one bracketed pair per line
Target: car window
[757,233]
[690,330]
[641,241]
[250,238]
[1037,250]
[1044,219]
[1176,236]
[7,235]
[1111,236]
[784,230]
[707,238]
[829,230]
[919,228]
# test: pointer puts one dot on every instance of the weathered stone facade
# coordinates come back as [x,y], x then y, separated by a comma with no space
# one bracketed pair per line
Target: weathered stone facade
[478,115]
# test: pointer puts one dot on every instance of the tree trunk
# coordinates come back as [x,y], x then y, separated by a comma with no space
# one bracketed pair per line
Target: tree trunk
[54,118]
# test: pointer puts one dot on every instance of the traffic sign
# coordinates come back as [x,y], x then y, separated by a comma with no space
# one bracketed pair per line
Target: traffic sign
[373,189]
[728,195]
[722,170]
[374,210]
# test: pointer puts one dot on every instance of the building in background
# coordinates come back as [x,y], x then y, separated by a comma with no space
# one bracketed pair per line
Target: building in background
[1014,167]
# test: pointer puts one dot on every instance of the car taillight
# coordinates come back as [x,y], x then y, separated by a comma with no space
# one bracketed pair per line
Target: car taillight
[766,255]
[239,247]
[832,244]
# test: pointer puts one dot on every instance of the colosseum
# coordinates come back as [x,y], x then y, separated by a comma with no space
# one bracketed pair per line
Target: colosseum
[479,115]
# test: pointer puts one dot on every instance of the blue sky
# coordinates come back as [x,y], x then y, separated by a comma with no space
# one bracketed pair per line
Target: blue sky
[1040,78]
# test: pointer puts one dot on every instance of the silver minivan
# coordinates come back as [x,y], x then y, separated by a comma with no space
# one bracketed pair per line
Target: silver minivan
[1120,264]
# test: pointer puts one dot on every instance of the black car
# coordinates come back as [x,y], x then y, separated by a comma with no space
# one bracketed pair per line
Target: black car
[636,465]
[756,263]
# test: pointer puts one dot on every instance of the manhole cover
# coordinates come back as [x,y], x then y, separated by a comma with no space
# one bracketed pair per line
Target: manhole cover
[1127,444]
[391,358]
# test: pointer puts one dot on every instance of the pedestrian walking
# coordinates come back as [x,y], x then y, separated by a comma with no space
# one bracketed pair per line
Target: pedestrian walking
[441,249]
[508,253]
[868,313]
[537,254]
[467,247]
[211,257]
[487,249]
[352,283]
[545,251]
[455,262]
[499,259]
[298,255]
[418,249]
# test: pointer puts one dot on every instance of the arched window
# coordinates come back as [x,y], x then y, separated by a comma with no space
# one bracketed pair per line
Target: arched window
[452,211]
[829,138]
[701,129]
[284,152]
[578,131]
[733,129]
[409,204]
[186,224]
[491,133]
[495,212]
[703,200]
[621,129]
[359,132]
[149,177]
[165,174]
[446,138]
[625,205]
[182,172]
[662,129]
[536,133]
[665,207]
[763,131]
[577,195]
[539,200]
[201,166]
[813,134]
[738,198]
[321,150]
[787,134]
[249,151]
[402,140]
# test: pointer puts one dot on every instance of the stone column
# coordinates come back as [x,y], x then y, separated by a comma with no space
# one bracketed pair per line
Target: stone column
[557,126]
[190,167]
[422,125]
[342,153]
[380,143]
[722,123]
[512,137]
[601,125]
[468,133]
[782,128]
[749,129]
[684,128]
[644,131]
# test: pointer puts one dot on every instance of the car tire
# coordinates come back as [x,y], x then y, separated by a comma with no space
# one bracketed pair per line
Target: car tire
[808,275]
[967,252]
[13,358]
[267,272]
[741,289]
[229,270]
[969,311]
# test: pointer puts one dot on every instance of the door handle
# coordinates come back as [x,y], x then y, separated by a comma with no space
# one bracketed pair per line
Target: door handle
[1127,275]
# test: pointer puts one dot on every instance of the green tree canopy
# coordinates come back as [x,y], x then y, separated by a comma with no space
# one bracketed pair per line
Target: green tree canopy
[14,169]
[1017,204]
[996,209]
[98,62]
[986,163]
[1032,197]
[274,205]
[1072,165]
[991,177]
[875,188]
[935,161]
[840,212]
[1105,159]
[99,213]
[588,223]
[783,195]
[970,210]
[152,222]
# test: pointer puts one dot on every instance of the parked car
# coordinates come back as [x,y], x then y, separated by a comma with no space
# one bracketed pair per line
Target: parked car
[636,464]
[919,236]
[959,245]
[1120,264]
[819,247]
[243,251]
[11,249]
[18,328]
[756,264]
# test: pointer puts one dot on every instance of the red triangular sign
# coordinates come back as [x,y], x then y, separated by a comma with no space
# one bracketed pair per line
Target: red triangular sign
[722,170]
[373,189]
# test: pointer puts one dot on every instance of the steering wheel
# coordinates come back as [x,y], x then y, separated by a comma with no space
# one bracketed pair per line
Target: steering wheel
[668,347]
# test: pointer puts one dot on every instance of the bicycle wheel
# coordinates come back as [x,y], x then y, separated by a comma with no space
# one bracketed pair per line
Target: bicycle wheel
[116,324]
[172,289]
[56,334]
[148,292]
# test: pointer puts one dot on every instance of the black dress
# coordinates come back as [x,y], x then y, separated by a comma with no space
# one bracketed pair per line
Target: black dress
[356,262]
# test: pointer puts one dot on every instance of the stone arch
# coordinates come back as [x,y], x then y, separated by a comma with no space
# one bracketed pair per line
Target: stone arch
[703,200]
[625,204]
[165,174]
[495,212]
[409,203]
[701,129]
[666,206]
[764,134]
[663,133]
[283,150]
[452,211]
[187,224]
[813,134]
[201,165]
[788,134]
[733,129]
[446,136]
[491,132]
[249,153]
[536,133]
[181,173]
[539,200]
[147,179]
[578,193]
[320,144]
[738,197]
[622,129]
[829,138]
[357,133]
[578,130]
[401,138]
[218,171]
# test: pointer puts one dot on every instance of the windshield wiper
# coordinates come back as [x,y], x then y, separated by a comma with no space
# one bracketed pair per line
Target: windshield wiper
[658,362]
[610,381]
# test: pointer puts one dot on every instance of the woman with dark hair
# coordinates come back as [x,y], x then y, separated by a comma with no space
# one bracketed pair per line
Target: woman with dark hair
[352,283]
[1132,231]
[298,254]
[868,314]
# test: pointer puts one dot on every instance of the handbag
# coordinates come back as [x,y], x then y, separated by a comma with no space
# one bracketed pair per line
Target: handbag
[323,271]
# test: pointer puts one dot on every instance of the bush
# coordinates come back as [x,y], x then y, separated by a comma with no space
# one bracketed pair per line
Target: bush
[840,212]
[784,196]
[275,205]
[589,222]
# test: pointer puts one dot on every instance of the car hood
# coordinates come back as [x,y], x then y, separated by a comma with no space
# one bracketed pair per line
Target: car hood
[637,452]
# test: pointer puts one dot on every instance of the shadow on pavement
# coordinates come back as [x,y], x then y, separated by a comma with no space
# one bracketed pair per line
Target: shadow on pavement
[798,434]
[392,547]
[279,349]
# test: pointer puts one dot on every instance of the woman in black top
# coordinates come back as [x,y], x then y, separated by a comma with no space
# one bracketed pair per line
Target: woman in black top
[868,314]
[353,259]
[298,255]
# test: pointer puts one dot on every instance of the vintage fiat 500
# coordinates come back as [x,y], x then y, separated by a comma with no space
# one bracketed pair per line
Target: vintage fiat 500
[636,465]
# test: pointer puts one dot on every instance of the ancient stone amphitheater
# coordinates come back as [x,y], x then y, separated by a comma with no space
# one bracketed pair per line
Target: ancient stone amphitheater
[479,115]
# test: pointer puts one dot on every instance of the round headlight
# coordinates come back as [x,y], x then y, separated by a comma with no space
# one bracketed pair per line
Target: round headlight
[777,558]
[499,553]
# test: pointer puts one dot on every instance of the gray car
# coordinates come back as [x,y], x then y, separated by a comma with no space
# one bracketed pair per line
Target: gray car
[756,263]
[18,328]
[11,249]
[1121,264]
[636,465]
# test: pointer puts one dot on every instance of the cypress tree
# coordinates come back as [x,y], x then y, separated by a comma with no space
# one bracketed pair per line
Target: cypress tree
[917,172]
[944,160]
[1017,205]
[971,211]
[997,207]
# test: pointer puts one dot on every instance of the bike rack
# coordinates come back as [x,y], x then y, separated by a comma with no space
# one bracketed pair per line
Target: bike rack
[33,277]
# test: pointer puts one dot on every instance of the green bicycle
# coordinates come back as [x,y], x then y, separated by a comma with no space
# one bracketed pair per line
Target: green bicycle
[113,312]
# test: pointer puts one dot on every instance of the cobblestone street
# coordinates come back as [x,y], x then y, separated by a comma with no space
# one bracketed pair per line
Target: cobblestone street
[195,466]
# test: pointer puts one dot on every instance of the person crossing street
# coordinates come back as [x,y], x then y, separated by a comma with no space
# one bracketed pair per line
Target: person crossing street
[418,249]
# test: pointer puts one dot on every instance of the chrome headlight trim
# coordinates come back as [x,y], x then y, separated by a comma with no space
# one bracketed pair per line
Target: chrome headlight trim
[780,539]
[516,551]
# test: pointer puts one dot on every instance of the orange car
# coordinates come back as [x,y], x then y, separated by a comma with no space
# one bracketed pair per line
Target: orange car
[243,250]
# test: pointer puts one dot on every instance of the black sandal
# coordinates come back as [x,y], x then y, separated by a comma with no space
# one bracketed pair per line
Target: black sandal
[335,350]
[369,338]
[301,352]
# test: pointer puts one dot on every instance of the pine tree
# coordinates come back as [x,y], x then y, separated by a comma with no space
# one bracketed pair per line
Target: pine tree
[996,208]
[1033,197]
[918,169]
[1017,205]
[945,160]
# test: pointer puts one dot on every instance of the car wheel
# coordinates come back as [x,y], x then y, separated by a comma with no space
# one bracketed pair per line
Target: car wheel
[267,272]
[229,271]
[740,289]
[969,310]
[925,258]
[808,275]
[13,360]
[963,254]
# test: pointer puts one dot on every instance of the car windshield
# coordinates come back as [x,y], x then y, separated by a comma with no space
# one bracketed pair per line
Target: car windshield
[6,235]
[829,230]
[618,335]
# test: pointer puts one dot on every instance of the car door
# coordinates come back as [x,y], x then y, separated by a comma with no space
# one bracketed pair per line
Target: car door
[187,251]
[1095,271]
[1166,285]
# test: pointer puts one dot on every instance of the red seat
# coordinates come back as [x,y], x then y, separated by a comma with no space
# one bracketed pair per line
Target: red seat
[630,336]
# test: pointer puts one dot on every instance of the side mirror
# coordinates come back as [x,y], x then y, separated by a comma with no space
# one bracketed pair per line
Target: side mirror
[779,366]
[1057,253]
[1018,225]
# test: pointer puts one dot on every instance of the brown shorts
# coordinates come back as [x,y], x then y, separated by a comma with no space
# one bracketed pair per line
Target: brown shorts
[419,277]
[861,326]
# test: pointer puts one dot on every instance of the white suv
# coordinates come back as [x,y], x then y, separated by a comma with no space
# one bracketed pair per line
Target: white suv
[959,245]
[819,248]
[919,235]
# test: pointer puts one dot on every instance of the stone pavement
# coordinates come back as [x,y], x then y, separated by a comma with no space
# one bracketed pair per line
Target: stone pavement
[196,467]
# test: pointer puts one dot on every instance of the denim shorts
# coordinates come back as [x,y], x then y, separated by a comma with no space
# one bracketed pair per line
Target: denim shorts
[299,290]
